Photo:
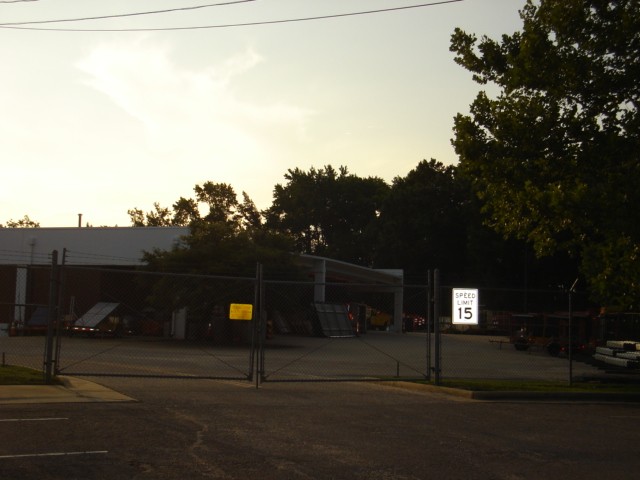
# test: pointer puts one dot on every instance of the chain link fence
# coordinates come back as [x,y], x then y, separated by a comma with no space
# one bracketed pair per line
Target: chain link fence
[24,314]
[520,334]
[350,336]
[125,322]
[132,323]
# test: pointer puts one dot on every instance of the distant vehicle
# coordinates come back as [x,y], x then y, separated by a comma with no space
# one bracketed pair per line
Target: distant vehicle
[380,320]
[413,323]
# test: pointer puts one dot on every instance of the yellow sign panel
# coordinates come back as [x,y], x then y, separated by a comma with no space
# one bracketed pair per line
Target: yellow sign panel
[241,311]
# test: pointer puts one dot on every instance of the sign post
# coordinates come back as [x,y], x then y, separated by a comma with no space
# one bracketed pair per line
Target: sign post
[464,308]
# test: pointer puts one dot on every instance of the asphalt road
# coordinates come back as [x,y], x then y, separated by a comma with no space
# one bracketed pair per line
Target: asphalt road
[184,429]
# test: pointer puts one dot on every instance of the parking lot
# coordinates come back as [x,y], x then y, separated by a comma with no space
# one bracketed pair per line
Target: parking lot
[179,429]
[291,358]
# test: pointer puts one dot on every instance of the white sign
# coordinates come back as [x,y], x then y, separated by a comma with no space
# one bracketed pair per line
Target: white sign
[464,308]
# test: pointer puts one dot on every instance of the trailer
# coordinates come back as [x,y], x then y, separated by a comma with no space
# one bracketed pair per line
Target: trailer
[554,332]
[100,319]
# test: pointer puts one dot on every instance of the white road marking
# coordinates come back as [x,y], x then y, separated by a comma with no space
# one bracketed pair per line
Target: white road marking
[32,419]
[53,454]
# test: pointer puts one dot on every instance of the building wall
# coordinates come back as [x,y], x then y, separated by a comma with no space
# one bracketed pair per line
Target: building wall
[25,255]
[7,293]
[122,246]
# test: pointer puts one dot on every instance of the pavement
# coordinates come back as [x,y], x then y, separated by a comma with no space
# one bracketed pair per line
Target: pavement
[77,390]
[72,390]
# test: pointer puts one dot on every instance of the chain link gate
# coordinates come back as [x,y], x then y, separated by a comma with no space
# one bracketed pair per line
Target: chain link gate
[296,346]
[119,322]
[123,322]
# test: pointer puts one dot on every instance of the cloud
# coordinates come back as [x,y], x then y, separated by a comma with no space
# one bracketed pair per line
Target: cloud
[191,114]
[214,122]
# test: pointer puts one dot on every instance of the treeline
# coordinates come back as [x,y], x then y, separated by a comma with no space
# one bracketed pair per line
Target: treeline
[428,219]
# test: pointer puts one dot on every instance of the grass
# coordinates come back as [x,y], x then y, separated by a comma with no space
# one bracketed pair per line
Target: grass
[609,386]
[15,375]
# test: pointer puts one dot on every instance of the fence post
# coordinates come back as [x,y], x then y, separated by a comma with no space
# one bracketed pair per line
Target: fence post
[53,304]
[58,325]
[436,325]
[261,324]
[429,320]
[571,290]
[255,330]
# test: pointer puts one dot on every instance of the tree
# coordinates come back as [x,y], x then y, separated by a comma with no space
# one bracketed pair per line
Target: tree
[424,221]
[185,212]
[229,239]
[217,248]
[24,222]
[328,212]
[158,217]
[219,258]
[554,157]
[221,200]
[218,199]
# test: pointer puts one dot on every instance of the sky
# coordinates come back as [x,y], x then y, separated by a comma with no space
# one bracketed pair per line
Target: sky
[100,122]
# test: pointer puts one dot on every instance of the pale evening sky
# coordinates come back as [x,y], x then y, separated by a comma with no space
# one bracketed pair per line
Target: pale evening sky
[99,122]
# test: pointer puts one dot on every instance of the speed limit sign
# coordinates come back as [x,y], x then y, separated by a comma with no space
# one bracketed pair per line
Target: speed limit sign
[464,308]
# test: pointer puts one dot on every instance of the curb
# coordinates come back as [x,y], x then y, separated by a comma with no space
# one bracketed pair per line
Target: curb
[91,391]
[559,396]
[519,395]
[67,390]
[421,387]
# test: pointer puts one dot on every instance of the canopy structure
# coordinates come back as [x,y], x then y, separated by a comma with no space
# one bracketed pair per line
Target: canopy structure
[326,270]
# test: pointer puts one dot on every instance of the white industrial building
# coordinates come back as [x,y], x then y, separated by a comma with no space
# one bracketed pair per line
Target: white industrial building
[125,246]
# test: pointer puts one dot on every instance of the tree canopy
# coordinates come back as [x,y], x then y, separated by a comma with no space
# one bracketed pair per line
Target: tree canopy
[554,157]
[219,200]
[424,220]
[427,219]
[229,238]
[328,212]
[24,222]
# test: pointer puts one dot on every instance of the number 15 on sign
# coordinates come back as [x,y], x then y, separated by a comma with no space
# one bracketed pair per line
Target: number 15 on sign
[464,308]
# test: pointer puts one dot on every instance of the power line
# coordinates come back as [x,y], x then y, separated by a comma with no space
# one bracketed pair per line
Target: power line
[230,25]
[20,256]
[75,257]
[121,15]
